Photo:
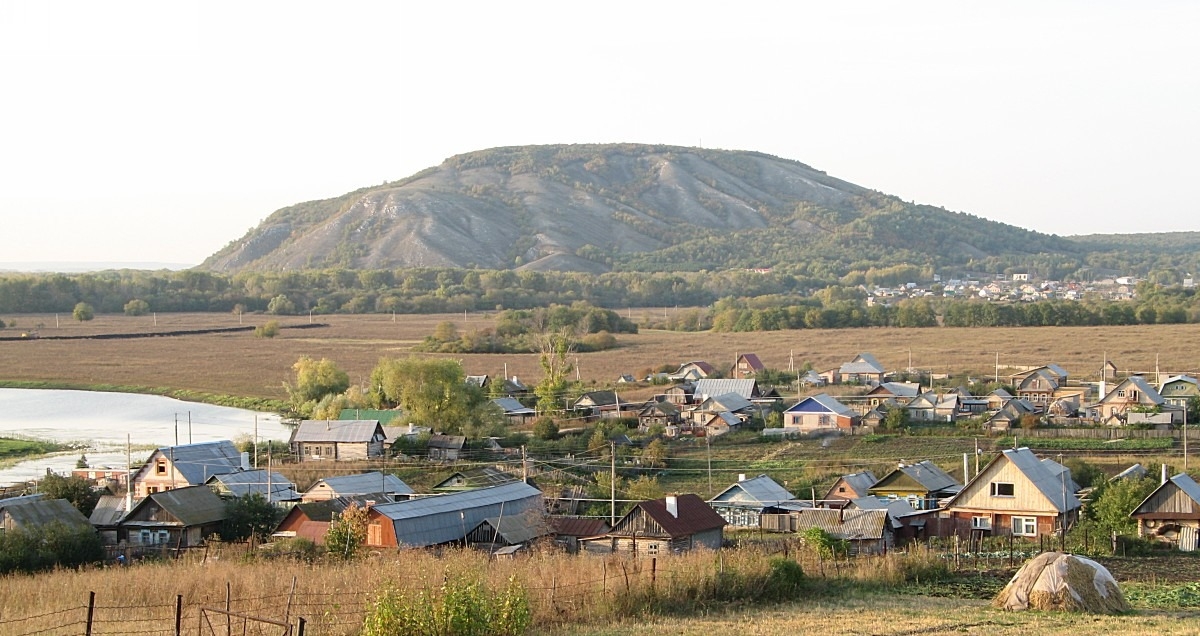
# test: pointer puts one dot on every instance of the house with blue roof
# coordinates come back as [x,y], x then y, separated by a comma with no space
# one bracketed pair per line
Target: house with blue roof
[818,413]
[441,519]
[742,503]
[173,467]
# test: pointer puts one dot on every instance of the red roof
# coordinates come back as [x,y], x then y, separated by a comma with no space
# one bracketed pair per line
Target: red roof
[695,515]
[578,526]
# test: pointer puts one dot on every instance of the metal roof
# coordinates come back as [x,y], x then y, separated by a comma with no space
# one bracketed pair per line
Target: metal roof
[255,482]
[1057,469]
[901,389]
[197,462]
[453,442]
[862,363]
[761,490]
[192,506]
[1187,485]
[1136,471]
[31,513]
[516,529]
[108,511]
[444,518]
[1049,483]
[338,431]
[363,483]
[927,474]
[513,406]
[860,482]
[896,509]
[693,515]
[710,387]
[578,526]
[730,402]
[477,477]
[823,401]
[850,524]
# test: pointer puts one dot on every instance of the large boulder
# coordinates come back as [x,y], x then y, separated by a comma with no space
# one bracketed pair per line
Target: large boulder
[1064,582]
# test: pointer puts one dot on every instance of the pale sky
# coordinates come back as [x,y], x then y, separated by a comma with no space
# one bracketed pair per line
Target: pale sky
[151,131]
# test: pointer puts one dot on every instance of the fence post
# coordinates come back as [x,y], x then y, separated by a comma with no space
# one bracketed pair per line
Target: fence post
[653,572]
[228,615]
[178,615]
[604,579]
[287,612]
[91,610]
[300,626]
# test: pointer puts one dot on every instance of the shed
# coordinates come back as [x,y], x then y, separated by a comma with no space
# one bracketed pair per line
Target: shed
[1171,514]
[440,519]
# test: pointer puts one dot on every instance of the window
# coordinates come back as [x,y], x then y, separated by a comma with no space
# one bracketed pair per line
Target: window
[841,489]
[1002,489]
[1024,526]
[823,420]
[652,549]
[1121,393]
[160,468]
[981,523]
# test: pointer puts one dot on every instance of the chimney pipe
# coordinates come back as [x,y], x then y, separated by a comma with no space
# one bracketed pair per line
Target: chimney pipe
[245,460]
[741,476]
[673,506]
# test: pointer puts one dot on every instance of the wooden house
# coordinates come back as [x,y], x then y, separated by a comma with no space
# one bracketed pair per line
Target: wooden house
[680,394]
[820,412]
[747,365]
[1134,394]
[933,407]
[358,484]
[1178,390]
[674,524]
[310,520]
[174,467]
[742,503]
[446,447]
[848,487]
[510,530]
[1015,494]
[1037,387]
[921,484]
[655,413]
[517,414]
[1171,513]
[906,524]
[442,519]
[178,518]
[273,487]
[692,371]
[568,531]
[337,440]
[1009,415]
[32,512]
[864,531]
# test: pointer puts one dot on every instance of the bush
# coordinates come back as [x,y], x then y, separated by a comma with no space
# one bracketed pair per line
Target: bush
[545,429]
[268,330]
[461,607]
[137,307]
[785,579]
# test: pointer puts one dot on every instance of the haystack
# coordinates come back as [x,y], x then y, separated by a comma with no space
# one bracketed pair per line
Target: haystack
[1064,582]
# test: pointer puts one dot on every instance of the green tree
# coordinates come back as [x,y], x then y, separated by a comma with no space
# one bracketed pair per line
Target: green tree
[433,392]
[545,429]
[895,419]
[445,331]
[74,489]
[317,378]
[281,305]
[553,351]
[137,307]
[249,516]
[645,488]
[1116,499]
[347,532]
[83,312]
[655,454]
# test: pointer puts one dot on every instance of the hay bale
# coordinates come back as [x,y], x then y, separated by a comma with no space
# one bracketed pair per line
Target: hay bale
[1063,582]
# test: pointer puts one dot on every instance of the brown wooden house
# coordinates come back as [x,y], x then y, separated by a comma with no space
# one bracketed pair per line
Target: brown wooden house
[1016,494]
[674,524]
[1171,513]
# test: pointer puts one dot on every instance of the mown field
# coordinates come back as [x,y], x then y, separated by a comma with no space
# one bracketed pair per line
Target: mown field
[241,364]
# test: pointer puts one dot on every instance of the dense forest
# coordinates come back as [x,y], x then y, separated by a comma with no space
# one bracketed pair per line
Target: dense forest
[735,300]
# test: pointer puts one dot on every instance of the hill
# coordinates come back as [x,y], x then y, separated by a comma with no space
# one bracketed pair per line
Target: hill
[629,207]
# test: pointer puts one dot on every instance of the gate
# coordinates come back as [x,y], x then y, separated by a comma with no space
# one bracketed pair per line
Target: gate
[1188,537]
[220,622]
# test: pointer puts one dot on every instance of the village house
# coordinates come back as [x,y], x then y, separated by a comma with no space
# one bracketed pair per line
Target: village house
[358,484]
[680,394]
[1037,387]
[906,524]
[885,392]
[1132,396]
[177,518]
[849,487]
[1171,514]
[863,369]
[32,512]
[742,503]
[864,531]
[746,365]
[1178,390]
[174,467]
[568,531]
[1015,494]
[692,371]
[655,413]
[517,414]
[273,487]
[921,484]
[338,440]
[820,412]
[310,520]
[446,447]
[441,519]
[674,524]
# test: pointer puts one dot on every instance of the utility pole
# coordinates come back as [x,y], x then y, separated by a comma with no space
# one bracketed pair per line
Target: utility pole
[1185,437]
[708,445]
[189,427]
[976,456]
[997,367]
[524,466]
[612,484]
[256,441]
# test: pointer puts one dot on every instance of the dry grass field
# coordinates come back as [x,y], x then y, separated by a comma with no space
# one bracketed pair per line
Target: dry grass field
[241,364]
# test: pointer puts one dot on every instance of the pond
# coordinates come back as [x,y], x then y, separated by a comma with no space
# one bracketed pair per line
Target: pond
[103,421]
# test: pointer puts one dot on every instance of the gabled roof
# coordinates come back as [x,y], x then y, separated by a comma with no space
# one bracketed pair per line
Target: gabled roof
[478,477]
[325,510]
[255,482]
[860,482]
[1136,471]
[515,529]
[746,388]
[30,512]
[192,506]
[1184,483]
[394,433]
[578,526]
[1187,379]
[925,473]
[197,462]
[848,524]
[363,483]
[1056,470]
[108,511]
[1143,386]
[513,406]
[478,380]
[761,490]
[899,389]
[661,408]
[727,402]
[698,364]
[822,402]
[1048,483]
[451,442]
[444,518]
[694,515]
[339,431]
[597,398]
[752,361]
[862,363]
[896,508]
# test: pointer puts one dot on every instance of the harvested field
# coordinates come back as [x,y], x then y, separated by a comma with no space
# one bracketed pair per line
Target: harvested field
[241,364]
